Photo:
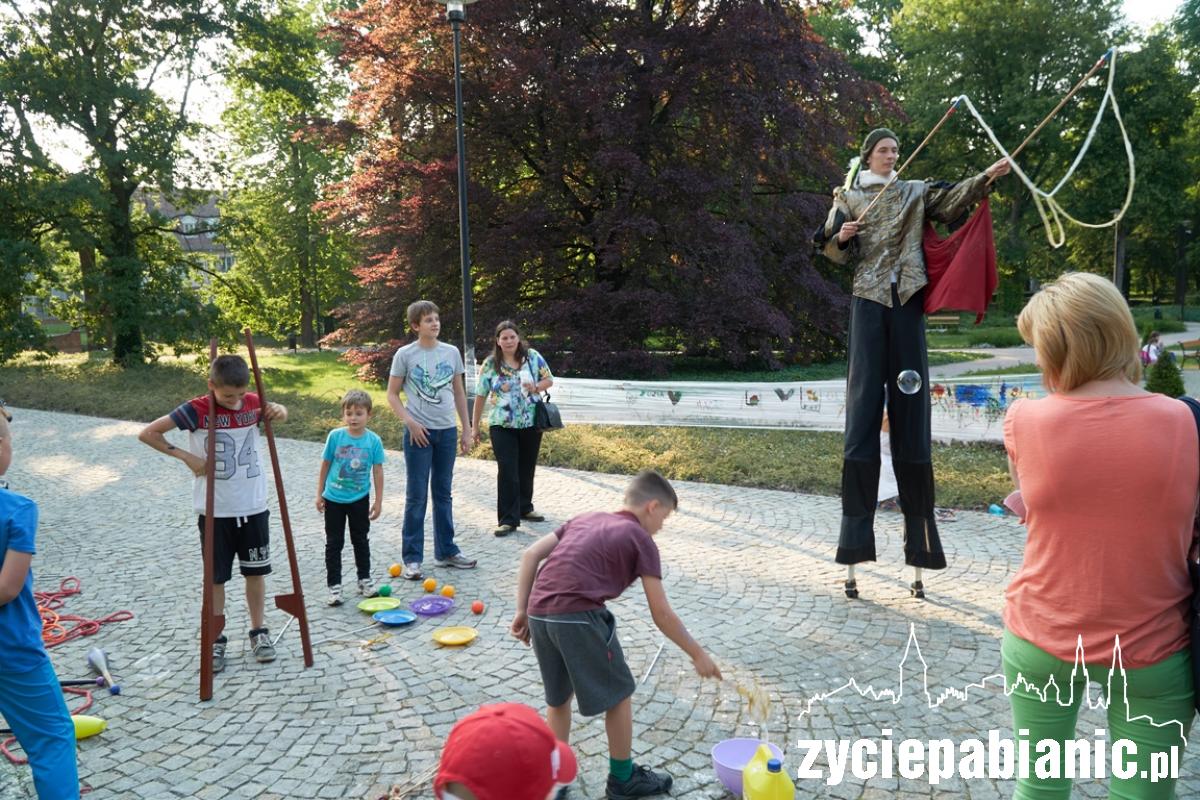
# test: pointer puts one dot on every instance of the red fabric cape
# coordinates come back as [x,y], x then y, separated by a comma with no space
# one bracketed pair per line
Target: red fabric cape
[961,267]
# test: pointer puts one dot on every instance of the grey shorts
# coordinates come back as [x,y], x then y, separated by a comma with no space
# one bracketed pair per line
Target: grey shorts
[578,653]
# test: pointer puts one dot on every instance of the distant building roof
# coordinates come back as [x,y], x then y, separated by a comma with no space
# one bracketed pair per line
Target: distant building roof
[195,225]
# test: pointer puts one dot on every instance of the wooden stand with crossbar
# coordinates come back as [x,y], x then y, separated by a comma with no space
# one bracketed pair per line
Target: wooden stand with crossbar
[211,625]
[292,603]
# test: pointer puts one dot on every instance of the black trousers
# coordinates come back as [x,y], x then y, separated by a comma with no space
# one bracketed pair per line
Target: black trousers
[359,515]
[883,343]
[516,452]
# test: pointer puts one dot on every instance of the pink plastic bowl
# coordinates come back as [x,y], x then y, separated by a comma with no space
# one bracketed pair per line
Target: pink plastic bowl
[731,756]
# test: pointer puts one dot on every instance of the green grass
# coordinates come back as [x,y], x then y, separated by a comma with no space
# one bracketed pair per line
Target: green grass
[1015,369]
[56,328]
[310,385]
[969,336]
[1191,312]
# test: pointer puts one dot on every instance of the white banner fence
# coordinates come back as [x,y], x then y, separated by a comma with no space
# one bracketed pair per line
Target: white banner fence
[968,409]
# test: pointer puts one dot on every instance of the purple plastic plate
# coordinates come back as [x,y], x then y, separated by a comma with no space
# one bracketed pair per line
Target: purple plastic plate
[431,605]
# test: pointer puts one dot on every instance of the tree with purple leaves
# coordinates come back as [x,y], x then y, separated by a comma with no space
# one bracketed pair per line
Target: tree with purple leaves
[644,175]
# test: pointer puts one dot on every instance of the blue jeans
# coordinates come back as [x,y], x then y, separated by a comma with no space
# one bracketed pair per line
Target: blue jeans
[425,466]
[32,703]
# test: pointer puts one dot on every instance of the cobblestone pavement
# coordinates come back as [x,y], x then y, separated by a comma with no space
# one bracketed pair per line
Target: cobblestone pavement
[751,573]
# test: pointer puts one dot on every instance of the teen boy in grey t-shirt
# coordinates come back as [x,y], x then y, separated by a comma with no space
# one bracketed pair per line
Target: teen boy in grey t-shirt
[428,376]
[431,374]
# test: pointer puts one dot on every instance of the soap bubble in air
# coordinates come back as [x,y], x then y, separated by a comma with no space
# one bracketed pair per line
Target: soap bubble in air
[909,381]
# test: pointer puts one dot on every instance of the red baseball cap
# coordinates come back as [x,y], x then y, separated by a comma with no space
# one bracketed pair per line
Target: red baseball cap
[505,752]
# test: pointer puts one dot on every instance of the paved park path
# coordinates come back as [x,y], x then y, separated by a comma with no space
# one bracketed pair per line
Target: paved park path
[750,571]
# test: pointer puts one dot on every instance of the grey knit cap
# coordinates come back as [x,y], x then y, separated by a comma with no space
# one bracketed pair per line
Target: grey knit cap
[873,138]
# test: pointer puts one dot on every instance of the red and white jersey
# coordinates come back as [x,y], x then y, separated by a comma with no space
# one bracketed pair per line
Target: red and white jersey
[241,485]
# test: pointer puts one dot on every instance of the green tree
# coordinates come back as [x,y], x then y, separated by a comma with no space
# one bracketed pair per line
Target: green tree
[1164,378]
[863,32]
[290,263]
[1157,100]
[25,259]
[97,68]
[1015,61]
[1188,23]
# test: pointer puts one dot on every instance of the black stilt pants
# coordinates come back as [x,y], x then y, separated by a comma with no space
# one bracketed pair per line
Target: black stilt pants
[883,343]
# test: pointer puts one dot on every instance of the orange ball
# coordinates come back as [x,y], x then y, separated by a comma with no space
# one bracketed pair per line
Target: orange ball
[430,584]
[394,570]
[477,606]
[447,591]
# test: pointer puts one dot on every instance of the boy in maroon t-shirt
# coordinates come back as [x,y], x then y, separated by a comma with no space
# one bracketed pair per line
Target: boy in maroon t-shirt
[591,559]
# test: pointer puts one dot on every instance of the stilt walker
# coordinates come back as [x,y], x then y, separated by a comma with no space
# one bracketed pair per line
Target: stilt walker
[887,342]
[887,327]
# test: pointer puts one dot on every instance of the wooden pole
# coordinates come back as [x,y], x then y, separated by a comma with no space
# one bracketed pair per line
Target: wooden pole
[211,624]
[1103,60]
[292,603]
[908,160]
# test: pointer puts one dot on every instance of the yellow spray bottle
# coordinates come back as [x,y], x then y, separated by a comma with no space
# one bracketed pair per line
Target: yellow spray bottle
[765,779]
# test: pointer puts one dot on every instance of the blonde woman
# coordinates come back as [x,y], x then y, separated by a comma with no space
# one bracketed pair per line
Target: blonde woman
[1105,556]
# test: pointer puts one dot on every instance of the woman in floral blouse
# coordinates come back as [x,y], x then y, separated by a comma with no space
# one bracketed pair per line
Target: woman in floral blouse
[511,378]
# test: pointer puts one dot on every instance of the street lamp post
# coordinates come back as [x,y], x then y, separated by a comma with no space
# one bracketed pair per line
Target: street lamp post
[456,13]
[1181,277]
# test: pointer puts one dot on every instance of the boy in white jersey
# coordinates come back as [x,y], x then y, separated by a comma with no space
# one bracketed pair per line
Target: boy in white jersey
[240,498]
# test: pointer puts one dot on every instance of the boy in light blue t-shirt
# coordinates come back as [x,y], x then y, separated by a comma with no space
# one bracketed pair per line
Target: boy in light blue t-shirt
[353,459]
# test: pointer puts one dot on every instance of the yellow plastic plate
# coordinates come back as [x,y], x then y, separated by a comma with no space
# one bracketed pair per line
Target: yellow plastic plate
[373,604]
[455,635]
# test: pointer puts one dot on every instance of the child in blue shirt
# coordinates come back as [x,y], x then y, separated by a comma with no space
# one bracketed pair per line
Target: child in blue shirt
[31,699]
[353,459]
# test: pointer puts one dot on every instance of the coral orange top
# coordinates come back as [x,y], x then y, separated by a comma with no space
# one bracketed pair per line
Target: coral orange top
[1110,487]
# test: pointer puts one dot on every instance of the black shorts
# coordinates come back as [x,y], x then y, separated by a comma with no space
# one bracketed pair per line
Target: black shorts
[249,538]
[578,653]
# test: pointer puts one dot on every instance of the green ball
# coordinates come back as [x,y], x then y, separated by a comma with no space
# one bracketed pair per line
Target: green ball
[385,590]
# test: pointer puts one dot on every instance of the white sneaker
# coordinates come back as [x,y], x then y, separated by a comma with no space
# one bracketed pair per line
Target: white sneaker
[366,587]
[412,572]
[335,595]
[458,561]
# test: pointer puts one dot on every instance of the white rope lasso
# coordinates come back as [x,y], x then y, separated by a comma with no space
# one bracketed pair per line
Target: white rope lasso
[1048,208]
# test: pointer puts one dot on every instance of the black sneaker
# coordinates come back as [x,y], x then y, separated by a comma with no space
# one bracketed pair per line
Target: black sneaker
[642,783]
[218,653]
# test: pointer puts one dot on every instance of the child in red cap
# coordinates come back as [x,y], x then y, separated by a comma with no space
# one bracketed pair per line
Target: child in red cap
[503,752]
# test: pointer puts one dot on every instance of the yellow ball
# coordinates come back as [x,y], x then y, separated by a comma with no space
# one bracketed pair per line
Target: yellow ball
[430,584]
[447,591]
[394,570]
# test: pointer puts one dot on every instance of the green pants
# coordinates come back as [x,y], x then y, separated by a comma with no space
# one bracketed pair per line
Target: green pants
[1162,691]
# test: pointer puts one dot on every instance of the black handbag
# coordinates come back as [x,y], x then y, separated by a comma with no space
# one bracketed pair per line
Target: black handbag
[545,415]
[1193,562]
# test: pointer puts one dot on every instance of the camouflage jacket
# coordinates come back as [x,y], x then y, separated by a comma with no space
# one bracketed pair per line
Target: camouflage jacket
[890,237]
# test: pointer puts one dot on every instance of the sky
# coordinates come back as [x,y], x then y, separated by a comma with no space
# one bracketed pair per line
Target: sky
[1148,12]
[69,150]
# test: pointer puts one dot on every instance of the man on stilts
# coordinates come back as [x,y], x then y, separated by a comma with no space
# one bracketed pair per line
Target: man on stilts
[886,341]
